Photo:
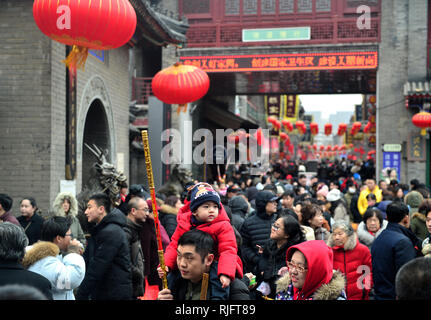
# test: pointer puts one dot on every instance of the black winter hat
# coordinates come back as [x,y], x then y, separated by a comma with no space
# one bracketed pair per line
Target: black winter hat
[6,201]
[263,197]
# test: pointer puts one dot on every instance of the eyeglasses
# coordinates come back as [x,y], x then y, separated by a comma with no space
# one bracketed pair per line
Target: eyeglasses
[300,269]
[146,210]
[69,235]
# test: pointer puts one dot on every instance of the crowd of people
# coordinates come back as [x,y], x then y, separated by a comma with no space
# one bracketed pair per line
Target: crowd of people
[286,234]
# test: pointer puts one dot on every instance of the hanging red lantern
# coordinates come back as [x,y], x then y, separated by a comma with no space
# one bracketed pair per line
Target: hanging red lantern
[300,125]
[180,84]
[314,128]
[85,24]
[328,129]
[283,136]
[342,128]
[276,124]
[322,147]
[271,120]
[287,125]
[356,127]
[423,121]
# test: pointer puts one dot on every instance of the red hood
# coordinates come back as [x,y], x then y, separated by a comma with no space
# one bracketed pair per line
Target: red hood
[319,260]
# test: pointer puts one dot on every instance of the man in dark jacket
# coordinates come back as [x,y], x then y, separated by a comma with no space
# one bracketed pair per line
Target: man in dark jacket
[391,250]
[107,256]
[195,257]
[239,208]
[137,214]
[12,250]
[256,229]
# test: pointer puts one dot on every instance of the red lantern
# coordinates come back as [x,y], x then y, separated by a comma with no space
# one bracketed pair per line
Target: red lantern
[423,121]
[342,128]
[300,125]
[283,136]
[356,127]
[271,120]
[314,128]
[180,84]
[287,125]
[276,124]
[85,24]
[328,129]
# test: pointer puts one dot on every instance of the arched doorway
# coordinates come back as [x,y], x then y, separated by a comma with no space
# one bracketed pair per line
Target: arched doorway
[96,132]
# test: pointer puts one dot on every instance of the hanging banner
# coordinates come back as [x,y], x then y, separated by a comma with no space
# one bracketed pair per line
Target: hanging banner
[291,107]
[273,109]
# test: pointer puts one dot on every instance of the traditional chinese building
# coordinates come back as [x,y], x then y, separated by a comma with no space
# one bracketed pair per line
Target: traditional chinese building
[258,48]
[46,120]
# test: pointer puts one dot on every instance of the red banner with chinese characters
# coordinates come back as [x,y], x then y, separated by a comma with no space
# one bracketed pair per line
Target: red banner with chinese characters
[276,62]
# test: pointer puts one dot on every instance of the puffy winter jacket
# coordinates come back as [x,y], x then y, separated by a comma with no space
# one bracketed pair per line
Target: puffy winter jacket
[108,266]
[256,230]
[65,273]
[354,261]
[223,234]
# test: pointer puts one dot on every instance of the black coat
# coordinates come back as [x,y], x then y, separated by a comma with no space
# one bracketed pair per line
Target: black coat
[256,230]
[32,227]
[389,252]
[14,273]
[107,258]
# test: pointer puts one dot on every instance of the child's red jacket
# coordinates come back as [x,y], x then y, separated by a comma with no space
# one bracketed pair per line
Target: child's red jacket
[220,230]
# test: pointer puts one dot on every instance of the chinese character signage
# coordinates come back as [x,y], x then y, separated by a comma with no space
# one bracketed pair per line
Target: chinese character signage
[273,109]
[291,107]
[276,62]
[416,148]
[392,160]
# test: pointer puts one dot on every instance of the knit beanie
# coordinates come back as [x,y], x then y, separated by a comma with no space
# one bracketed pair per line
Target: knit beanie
[201,194]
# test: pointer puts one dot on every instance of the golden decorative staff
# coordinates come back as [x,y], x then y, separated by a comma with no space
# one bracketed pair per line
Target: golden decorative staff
[204,286]
[153,202]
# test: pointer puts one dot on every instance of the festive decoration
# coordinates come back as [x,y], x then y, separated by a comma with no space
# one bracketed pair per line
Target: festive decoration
[287,125]
[328,129]
[300,125]
[423,121]
[342,128]
[284,136]
[356,127]
[314,128]
[85,24]
[180,84]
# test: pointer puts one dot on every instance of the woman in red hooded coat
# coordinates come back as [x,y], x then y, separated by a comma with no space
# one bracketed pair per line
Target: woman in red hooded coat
[310,274]
[353,259]
[217,224]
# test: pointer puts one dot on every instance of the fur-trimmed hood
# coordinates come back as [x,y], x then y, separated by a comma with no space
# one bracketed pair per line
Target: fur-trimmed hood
[350,244]
[165,208]
[419,216]
[330,291]
[57,206]
[39,251]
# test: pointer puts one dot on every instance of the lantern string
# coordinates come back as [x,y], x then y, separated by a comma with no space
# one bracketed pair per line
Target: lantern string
[76,58]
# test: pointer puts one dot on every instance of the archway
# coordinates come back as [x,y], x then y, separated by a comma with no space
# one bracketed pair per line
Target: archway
[96,132]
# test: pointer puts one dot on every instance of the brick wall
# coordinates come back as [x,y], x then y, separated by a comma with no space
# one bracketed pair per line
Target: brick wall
[32,106]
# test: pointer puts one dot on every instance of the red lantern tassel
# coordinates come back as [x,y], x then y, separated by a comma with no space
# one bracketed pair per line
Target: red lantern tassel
[76,58]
